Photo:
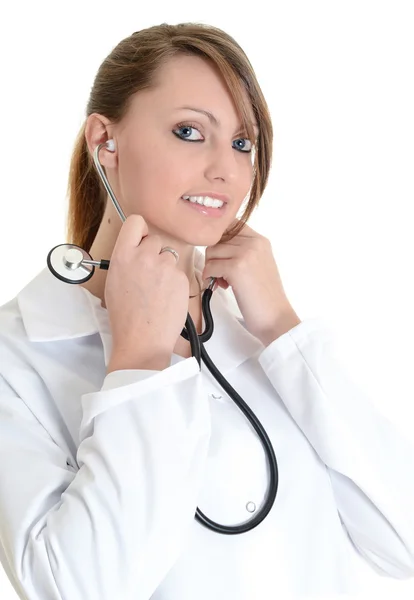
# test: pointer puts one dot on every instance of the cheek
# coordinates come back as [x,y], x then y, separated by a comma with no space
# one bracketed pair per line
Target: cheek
[153,172]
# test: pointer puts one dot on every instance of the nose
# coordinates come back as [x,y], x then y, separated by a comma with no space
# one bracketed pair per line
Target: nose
[223,163]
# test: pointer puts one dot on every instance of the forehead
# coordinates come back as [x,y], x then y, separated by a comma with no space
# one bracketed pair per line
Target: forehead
[191,81]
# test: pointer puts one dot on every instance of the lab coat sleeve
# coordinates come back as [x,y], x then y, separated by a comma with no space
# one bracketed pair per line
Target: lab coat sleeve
[370,464]
[113,526]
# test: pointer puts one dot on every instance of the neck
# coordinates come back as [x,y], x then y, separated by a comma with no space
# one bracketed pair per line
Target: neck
[103,245]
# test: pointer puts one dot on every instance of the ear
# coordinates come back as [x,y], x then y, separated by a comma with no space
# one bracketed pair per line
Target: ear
[97,132]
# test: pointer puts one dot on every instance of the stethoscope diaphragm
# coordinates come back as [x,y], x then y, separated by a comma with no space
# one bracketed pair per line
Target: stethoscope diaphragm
[66,262]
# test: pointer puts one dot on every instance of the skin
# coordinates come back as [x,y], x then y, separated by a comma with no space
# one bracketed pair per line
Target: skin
[152,168]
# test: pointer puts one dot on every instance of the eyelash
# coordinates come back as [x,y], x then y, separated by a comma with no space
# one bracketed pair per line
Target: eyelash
[193,126]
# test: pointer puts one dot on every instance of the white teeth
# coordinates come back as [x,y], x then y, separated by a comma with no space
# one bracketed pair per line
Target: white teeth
[205,200]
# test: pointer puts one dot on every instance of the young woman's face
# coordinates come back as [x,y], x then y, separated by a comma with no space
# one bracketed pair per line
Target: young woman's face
[159,159]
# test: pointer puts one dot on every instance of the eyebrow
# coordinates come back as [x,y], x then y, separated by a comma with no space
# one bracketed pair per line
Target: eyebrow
[210,115]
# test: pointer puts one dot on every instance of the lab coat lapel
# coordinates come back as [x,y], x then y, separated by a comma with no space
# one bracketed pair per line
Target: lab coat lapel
[52,310]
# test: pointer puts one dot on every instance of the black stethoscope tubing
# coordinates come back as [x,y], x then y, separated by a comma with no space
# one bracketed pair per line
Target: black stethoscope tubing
[199,352]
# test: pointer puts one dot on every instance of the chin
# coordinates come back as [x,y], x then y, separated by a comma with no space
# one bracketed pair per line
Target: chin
[204,238]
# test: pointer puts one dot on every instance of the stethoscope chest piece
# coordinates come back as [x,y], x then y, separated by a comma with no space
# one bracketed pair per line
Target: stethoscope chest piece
[65,261]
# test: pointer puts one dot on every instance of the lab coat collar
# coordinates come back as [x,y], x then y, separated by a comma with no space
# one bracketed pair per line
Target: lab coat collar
[52,310]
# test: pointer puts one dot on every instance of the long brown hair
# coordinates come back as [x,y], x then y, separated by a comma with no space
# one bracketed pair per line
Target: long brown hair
[132,66]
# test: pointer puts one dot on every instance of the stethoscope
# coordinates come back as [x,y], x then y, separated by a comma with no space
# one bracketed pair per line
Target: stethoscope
[72,264]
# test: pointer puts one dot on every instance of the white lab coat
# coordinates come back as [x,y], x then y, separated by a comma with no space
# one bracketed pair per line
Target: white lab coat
[101,475]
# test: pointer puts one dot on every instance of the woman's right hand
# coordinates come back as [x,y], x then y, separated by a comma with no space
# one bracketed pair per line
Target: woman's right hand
[146,296]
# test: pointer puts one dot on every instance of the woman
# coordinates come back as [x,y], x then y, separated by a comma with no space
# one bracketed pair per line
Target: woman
[111,436]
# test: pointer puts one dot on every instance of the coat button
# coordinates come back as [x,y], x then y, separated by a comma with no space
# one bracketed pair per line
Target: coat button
[216,396]
[251,506]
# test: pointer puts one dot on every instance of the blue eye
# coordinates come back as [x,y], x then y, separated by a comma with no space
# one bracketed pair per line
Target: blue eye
[190,126]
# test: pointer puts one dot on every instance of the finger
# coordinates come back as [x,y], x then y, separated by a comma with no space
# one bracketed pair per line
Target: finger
[222,283]
[133,229]
[219,269]
[222,250]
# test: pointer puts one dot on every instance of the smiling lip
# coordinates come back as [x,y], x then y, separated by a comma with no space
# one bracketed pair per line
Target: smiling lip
[224,197]
[207,211]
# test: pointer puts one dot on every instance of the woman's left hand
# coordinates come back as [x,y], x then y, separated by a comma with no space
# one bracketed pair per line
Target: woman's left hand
[247,264]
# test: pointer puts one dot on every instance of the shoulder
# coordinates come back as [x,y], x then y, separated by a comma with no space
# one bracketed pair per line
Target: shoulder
[18,379]
[16,364]
[12,331]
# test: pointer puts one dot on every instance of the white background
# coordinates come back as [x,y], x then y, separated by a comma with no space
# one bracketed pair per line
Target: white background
[338,78]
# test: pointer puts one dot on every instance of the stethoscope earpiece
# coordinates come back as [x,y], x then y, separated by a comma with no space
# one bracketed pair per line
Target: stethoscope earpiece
[110,145]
